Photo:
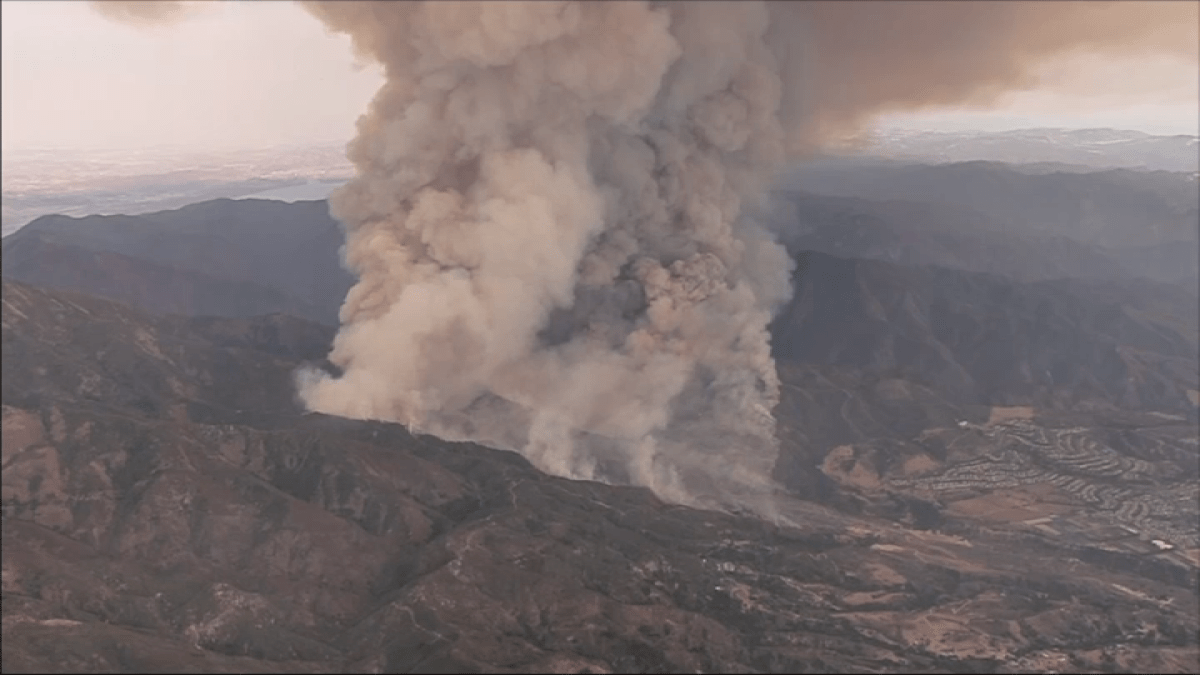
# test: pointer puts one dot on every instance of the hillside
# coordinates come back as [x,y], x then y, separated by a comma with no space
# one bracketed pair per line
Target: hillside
[222,257]
[921,233]
[1124,213]
[939,292]
[167,507]
[984,339]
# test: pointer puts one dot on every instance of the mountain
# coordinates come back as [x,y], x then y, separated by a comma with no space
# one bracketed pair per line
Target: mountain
[1112,209]
[166,507]
[143,194]
[247,257]
[80,182]
[988,452]
[983,339]
[120,358]
[1096,148]
[222,257]
[1049,322]
[870,351]
[1148,222]
[922,233]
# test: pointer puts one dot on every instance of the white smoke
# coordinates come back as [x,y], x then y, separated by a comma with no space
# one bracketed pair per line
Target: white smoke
[552,229]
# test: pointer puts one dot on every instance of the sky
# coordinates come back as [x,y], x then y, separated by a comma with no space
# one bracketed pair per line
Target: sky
[241,75]
[1160,95]
[232,76]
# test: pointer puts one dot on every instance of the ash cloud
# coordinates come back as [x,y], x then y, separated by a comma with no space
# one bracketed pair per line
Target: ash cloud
[556,222]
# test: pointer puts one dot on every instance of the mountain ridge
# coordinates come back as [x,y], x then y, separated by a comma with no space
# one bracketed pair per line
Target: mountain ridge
[197,534]
[276,252]
[1097,148]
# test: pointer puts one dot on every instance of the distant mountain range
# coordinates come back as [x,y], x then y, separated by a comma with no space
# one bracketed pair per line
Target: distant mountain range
[1095,148]
[41,182]
[920,233]
[939,296]
[221,258]
[978,310]
[1146,223]
[985,339]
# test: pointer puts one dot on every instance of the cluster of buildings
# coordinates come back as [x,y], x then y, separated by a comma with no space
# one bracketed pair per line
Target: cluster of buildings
[1120,503]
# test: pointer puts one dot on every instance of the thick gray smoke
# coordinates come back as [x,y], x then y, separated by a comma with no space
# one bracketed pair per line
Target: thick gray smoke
[553,228]
[555,222]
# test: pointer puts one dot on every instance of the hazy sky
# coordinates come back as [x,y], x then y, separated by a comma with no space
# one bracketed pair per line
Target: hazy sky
[252,75]
[1158,95]
[233,75]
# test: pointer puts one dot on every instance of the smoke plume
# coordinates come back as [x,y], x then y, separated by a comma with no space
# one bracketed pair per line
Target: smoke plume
[850,61]
[555,222]
[552,229]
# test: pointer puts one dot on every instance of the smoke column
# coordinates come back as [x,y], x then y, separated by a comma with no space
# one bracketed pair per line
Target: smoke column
[554,220]
[551,229]
[846,62]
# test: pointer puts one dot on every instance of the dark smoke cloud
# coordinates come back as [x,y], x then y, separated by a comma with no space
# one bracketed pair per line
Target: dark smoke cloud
[555,222]
[854,60]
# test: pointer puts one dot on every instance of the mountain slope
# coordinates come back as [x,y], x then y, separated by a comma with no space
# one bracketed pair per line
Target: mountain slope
[190,535]
[920,233]
[976,339]
[986,340]
[1116,210]
[223,257]
[151,286]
